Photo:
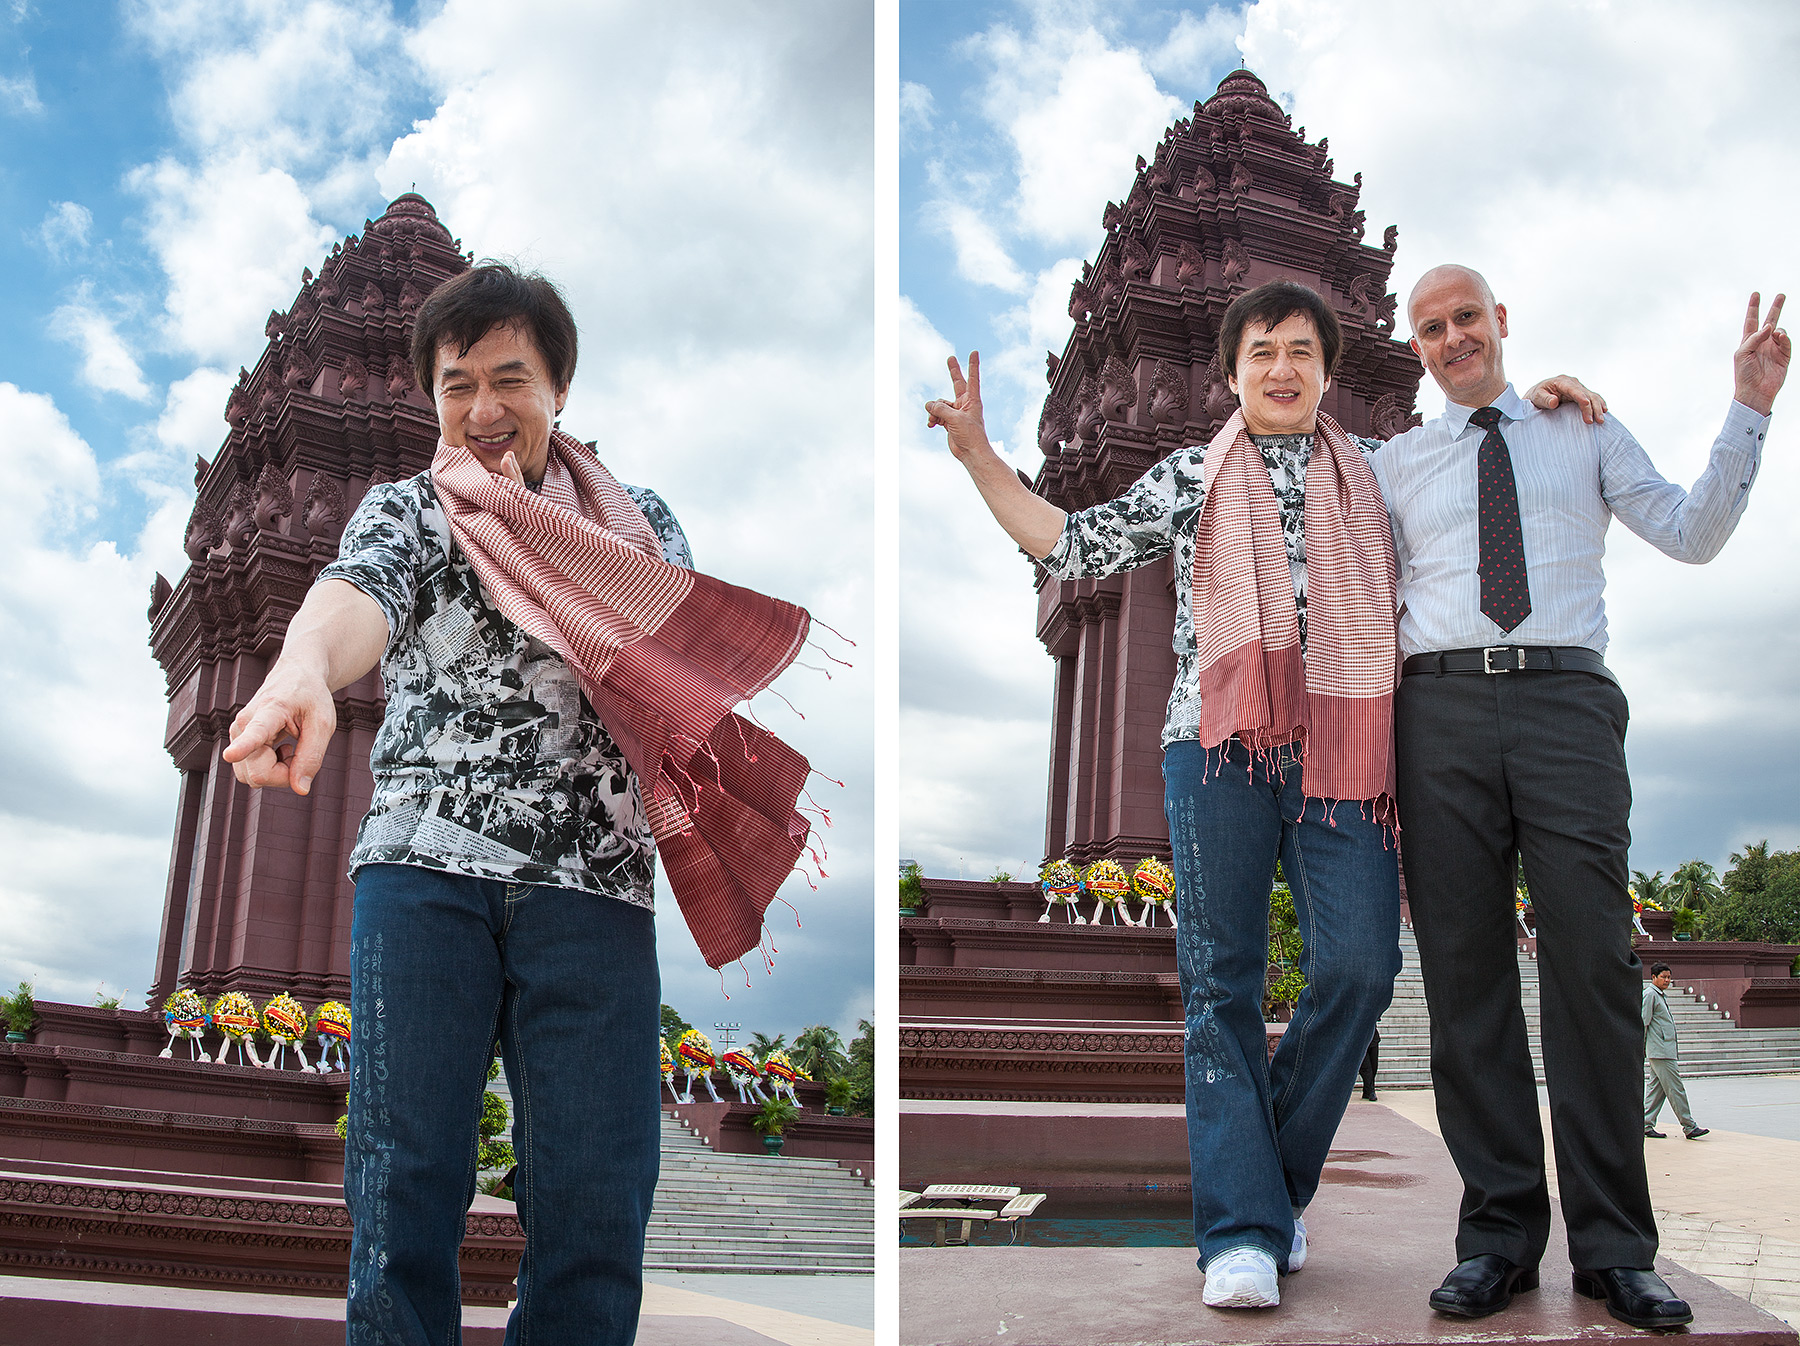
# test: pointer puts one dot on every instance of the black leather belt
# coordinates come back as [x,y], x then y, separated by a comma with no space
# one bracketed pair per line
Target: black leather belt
[1496,659]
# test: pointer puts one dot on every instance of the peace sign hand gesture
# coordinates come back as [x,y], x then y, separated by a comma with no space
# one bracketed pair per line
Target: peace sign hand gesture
[1760,365]
[962,418]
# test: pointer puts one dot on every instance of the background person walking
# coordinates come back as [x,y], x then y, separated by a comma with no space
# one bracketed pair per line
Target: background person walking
[1663,1059]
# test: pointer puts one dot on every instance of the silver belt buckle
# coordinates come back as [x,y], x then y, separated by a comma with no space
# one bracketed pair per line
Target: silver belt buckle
[1487,658]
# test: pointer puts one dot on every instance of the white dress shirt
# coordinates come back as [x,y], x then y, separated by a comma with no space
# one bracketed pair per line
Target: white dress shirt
[1573,478]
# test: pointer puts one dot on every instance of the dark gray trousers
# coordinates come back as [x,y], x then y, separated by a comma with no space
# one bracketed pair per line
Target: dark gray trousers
[1528,765]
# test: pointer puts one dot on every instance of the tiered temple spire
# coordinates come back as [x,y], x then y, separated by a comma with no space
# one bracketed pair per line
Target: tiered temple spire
[257,899]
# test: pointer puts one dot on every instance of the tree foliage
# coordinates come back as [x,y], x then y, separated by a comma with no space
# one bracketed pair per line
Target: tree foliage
[1651,888]
[862,1070]
[1286,981]
[819,1051]
[1694,885]
[673,1025]
[912,884]
[1759,898]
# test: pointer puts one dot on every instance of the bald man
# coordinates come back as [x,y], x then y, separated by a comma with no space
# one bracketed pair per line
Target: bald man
[1510,741]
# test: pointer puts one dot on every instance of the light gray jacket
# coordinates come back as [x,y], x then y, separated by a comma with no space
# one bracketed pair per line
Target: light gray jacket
[1659,1026]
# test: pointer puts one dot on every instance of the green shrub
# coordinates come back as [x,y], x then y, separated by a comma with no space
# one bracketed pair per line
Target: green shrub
[19,1010]
[775,1116]
[912,885]
[1760,898]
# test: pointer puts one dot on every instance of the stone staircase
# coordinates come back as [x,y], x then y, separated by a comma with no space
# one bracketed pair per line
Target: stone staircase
[753,1213]
[1710,1044]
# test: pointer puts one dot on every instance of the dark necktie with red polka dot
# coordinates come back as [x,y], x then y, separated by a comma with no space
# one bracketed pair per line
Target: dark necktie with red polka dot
[1505,595]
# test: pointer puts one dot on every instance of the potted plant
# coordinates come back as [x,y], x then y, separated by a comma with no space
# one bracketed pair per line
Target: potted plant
[838,1094]
[774,1117]
[20,1013]
[1684,919]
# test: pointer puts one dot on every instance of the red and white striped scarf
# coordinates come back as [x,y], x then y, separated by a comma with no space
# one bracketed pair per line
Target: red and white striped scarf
[664,654]
[1337,700]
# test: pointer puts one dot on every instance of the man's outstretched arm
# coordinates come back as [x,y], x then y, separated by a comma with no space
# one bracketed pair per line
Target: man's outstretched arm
[1032,521]
[336,637]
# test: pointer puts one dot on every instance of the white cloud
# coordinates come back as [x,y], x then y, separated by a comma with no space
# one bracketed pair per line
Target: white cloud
[19,93]
[107,364]
[86,799]
[916,109]
[232,236]
[64,230]
[980,255]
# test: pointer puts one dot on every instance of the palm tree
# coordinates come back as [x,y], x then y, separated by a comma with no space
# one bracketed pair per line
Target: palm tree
[819,1051]
[1694,884]
[762,1047]
[1650,887]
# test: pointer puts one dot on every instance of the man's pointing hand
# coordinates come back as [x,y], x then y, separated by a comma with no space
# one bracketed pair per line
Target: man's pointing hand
[279,738]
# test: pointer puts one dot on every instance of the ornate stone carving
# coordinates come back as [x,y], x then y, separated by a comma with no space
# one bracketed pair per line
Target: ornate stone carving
[1136,262]
[410,298]
[1389,416]
[1190,266]
[1241,181]
[1390,237]
[1056,426]
[354,381]
[1088,416]
[1160,178]
[1339,205]
[400,377]
[1168,394]
[1138,200]
[1080,299]
[1112,217]
[1371,299]
[274,499]
[323,509]
[205,531]
[373,300]
[1052,362]
[276,325]
[160,589]
[1108,284]
[1220,400]
[237,403]
[1203,182]
[201,468]
[240,515]
[1118,389]
[1236,265]
[296,370]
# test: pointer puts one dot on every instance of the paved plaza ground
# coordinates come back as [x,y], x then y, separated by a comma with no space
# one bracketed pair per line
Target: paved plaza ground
[1728,1204]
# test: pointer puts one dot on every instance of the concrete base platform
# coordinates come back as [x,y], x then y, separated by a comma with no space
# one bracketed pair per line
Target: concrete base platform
[39,1312]
[1382,1232]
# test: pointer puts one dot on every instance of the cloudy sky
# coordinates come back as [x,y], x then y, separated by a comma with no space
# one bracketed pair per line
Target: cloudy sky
[1625,175]
[168,167]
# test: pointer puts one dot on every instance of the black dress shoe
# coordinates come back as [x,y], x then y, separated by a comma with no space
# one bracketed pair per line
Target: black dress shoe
[1698,1132]
[1654,1135]
[1482,1285]
[1636,1296]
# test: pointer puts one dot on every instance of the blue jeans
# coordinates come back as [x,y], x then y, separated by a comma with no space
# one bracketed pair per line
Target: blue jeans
[1259,1130]
[442,965]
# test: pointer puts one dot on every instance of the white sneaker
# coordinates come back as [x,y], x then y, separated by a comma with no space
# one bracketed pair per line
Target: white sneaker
[1241,1278]
[1297,1254]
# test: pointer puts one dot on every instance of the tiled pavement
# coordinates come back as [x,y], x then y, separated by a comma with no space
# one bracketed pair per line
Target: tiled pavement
[1727,1205]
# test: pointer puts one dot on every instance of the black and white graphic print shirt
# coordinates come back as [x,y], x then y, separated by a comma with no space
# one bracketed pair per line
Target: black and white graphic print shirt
[1160,515]
[490,761]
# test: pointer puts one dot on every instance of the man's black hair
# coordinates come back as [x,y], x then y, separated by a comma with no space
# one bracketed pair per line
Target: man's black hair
[1269,306]
[466,308]
[1657,969]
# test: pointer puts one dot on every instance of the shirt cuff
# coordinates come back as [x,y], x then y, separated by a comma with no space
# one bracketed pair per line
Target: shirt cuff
[1745,427]
[1061,560]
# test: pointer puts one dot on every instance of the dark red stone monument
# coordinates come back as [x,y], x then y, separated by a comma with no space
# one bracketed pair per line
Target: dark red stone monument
[257,898]
[1232,197]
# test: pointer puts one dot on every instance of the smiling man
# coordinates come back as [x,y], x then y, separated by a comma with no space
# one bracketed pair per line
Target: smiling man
[1510,735]
[504,869]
